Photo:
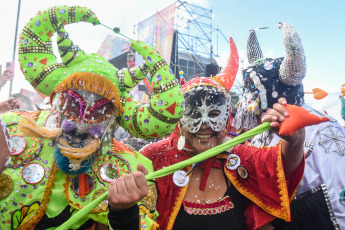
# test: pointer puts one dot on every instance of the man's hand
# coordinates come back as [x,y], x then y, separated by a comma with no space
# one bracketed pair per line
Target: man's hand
[292,148]
[128,190]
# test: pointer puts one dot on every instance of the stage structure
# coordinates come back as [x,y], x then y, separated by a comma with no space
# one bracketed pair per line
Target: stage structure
[184,35]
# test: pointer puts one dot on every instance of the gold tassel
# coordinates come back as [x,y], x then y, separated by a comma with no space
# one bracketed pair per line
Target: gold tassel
[94,83]
[78,153]
[29,128]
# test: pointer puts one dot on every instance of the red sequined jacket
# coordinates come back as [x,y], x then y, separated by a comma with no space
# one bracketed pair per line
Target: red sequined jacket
[265,185]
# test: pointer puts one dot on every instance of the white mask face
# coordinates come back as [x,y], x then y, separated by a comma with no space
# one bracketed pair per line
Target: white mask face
[215,116]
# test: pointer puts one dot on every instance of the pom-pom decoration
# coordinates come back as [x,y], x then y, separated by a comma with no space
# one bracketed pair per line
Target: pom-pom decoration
[67,126]
[96,131]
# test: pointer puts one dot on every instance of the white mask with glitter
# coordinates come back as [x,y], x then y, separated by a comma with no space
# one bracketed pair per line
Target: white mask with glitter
[215,116]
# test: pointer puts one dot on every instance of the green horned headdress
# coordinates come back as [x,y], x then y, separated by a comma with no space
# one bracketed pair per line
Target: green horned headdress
[93,73]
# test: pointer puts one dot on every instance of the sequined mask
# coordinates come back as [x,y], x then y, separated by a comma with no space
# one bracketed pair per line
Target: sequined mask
[86,120]
[84,116]
[215,116]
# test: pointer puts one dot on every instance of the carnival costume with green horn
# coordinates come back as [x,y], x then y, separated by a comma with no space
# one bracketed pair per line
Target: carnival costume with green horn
[64,158]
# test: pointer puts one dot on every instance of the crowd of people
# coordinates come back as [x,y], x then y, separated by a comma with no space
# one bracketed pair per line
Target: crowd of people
[94,139]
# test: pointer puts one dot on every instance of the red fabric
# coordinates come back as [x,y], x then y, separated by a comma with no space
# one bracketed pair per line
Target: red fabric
[255,217]
[298,118]
[207,165]
[163,154]
[200,81]
[260,163]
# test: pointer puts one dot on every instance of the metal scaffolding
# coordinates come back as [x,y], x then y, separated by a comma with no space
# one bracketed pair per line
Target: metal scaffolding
[196,37]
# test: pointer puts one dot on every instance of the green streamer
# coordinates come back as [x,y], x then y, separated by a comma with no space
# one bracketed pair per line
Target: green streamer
[173,168]
[115,31]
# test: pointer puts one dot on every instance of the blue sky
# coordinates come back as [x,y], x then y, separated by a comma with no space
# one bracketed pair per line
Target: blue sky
[320,25]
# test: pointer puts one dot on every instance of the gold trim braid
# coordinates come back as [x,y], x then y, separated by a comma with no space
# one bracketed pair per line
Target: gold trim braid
[178,202]
[284,212]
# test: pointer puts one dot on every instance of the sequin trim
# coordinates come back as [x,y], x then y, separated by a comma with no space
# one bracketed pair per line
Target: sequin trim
[178,203]
[214,208]
[166,87]
[157,66]
[161,117]
[121,76]
[45,73]
[52,17]
[144,69]
[328,202]
[66,49]
[33,37]
[284,212]
[71,14]
[87,16]
[35,49]
[123,100]
[135,121]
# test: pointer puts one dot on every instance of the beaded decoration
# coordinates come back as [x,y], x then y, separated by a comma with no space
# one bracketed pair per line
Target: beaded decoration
[100,111]
[214,208]
[74,111]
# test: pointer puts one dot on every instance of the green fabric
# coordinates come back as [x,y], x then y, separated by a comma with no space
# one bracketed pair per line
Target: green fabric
[36,55]
[41,69]
[24,194]
[153,120]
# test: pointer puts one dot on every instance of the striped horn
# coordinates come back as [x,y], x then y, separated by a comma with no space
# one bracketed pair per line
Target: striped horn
[36,57]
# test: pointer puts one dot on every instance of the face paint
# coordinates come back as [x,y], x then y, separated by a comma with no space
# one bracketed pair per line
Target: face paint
[215,116]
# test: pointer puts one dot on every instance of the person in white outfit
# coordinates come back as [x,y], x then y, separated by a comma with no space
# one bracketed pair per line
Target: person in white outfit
[319,202]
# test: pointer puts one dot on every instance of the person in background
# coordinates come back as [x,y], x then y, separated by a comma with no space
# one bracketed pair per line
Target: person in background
[319,200]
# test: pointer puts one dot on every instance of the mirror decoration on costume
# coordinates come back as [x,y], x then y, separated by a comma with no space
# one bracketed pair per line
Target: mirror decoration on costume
[33,173]
[88,186]
[18,144]
[71,148]
[108,172]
